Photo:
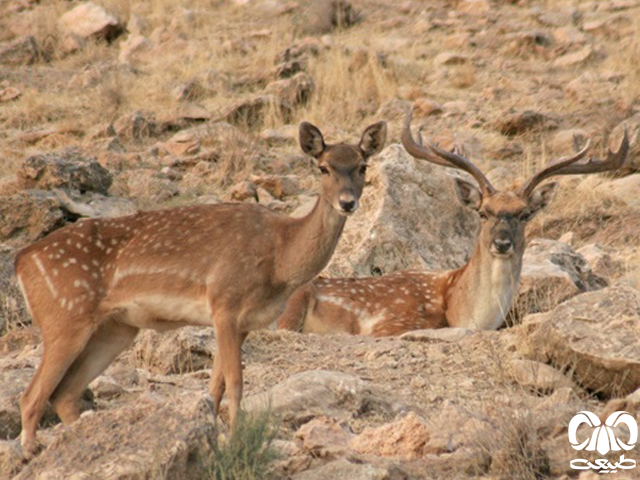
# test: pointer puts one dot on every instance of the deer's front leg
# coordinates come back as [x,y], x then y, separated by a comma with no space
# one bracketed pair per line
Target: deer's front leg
[227,371]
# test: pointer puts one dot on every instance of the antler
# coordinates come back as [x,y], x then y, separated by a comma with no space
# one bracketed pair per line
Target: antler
[442,157]
[568,165]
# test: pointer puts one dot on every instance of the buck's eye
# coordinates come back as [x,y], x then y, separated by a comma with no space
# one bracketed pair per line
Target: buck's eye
[525,216]
[483,215]
[363,169]
[324,170]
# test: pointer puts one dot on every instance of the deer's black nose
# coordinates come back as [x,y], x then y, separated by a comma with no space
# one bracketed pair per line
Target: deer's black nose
[502,245]
[348,206]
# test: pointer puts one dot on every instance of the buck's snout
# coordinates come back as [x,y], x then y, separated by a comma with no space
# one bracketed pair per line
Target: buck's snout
[347,203]
[502,245]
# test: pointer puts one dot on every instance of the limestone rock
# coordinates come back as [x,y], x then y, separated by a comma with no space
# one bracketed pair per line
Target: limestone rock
[89,20]
[474,7]
[323,16]
[575,58]
[625,189]
[324,437]
[65,170]
[11,459]
[252,111]
[93,205]
[28,216]
[564,142]
[132,47]
[405,438]
[174,437]
[551,273]
[136,125]
[279,186]
[318,392]
[450,58]
[595,334]
[599,258]
[184,350]
[514,123]
[446,335]
[21,51]
[409,218]
[343,469]
[147,183]
[293,91]
[537,376]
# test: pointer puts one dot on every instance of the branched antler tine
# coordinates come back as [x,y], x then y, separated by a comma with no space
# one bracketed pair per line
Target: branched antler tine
[441,157]
[572,166]
[418,150]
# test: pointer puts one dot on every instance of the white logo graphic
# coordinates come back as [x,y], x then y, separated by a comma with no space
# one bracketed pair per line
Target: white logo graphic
[603,440]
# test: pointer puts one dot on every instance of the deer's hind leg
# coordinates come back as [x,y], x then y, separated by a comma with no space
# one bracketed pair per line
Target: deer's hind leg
[106,343]
[62,345]
[217,385]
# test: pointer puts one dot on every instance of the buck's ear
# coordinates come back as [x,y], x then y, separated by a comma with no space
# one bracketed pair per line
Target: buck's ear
[373,139]
[468,194]
[542,196]
[311,140]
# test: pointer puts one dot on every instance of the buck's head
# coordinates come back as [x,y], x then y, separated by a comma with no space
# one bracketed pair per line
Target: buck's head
[504,214]
[342,166]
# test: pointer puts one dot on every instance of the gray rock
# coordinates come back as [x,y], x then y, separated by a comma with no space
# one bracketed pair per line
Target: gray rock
[409,218]
[344,469]
[552,272]
[318,392]
[68,170]
[323,16]
[595,334]
[28,216]
[89,20]
[151,439]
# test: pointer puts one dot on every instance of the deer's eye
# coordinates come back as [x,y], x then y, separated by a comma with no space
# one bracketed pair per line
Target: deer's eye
[525,216]
[483,215]
[323,170]
[363,169]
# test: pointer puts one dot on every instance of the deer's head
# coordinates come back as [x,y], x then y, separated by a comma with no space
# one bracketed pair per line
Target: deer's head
[342,166]
[504,214]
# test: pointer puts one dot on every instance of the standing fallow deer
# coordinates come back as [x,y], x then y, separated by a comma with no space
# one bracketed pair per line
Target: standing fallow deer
[477,295]
[93,285]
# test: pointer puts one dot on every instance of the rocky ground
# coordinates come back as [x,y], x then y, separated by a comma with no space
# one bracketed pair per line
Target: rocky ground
[111,107]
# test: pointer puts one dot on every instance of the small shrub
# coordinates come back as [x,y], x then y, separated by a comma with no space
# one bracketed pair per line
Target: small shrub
[247,454]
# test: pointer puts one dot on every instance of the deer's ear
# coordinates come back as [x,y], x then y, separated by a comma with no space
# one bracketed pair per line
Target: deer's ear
[311,140]
[468,194]
[542,196]
[373,139]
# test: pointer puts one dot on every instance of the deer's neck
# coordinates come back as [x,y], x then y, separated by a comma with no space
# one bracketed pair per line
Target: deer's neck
[482,291]
[310,243]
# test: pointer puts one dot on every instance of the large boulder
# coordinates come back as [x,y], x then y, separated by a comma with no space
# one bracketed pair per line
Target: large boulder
[552,272]
[89,20]
[319,392]
[167,438]
[409,218]
[65,170]
[28,216]
[596,334]
[406,438]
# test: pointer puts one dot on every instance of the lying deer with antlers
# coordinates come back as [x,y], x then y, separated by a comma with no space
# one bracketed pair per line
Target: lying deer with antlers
[477,295]
[93,285]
